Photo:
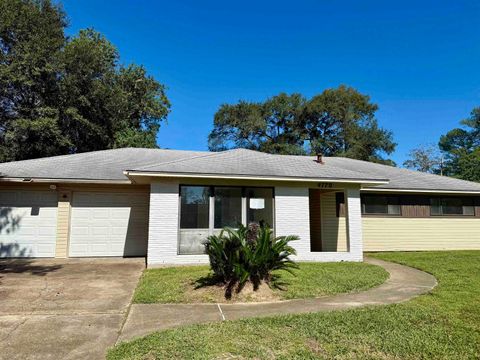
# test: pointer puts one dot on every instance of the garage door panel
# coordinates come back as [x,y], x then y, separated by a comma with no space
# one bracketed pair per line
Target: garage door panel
[28,223]
[109,224]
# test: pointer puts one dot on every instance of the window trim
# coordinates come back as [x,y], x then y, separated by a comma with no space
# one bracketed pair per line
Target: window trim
[211,210]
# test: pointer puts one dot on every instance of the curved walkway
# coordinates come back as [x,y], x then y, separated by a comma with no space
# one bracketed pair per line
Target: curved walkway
[403,284]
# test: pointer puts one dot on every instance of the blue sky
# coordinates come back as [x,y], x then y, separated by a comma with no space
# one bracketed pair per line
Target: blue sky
[418,60]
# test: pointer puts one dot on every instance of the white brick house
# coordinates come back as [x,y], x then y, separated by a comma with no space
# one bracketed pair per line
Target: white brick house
[162,204]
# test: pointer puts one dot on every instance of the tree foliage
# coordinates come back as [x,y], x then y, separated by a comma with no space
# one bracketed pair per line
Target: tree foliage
[461,147]
[248,254]
[425,158]
[337,122]
[61,95]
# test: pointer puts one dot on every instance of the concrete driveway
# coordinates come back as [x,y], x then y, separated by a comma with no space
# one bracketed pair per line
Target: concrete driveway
[64,309]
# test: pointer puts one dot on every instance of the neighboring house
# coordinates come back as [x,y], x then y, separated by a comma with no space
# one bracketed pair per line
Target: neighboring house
[163,203]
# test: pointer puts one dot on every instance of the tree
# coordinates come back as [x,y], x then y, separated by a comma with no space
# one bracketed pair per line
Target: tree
[341,122]
[461,147]
[60,95]
[337,122]
[270,126]
[425,158]
[31,38]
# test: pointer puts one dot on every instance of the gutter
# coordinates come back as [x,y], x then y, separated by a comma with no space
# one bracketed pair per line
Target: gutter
[66,181]
[130,174]
[420,191]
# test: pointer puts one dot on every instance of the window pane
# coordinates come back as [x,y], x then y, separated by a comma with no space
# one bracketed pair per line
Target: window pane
[260,206]
[435,206]
[394,209]
[452,206]
[194,207]
[228,207]
[376,205]
[191,241]
[393,205]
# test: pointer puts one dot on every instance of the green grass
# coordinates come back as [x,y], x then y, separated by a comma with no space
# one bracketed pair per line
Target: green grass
[444,324]
[176,285]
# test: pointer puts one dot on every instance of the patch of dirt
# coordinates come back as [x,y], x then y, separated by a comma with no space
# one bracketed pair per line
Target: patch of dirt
[216,293]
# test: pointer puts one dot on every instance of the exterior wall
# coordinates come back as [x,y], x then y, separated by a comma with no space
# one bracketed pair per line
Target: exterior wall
[63,223]
[410,234]
[353,214]
[163,229]
[334,229]
[292,218]
[64,193]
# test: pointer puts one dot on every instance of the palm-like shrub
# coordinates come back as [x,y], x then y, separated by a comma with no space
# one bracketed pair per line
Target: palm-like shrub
[248,254]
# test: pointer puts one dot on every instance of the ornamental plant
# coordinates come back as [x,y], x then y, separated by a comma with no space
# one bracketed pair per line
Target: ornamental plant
[248,254]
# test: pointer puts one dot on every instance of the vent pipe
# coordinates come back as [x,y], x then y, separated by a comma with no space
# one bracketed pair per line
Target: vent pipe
[320,159]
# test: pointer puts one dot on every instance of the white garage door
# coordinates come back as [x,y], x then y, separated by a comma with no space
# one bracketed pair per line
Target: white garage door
[109,224]
[28,223]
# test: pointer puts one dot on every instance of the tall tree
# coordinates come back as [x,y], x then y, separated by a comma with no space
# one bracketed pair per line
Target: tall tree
[270,126]
[425,158]
[461,147]
[31,39]
[60,95]
[342,122]
[336,122]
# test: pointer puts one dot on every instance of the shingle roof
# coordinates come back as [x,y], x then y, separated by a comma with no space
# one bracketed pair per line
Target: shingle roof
[110,165]
[242,162]
[405,179]
[95,165]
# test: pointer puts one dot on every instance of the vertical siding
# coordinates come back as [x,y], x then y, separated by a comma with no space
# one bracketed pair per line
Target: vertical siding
[63,223]
[405,234]
[334,230]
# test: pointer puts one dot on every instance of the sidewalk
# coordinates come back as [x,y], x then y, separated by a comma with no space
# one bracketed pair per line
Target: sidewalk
[404,284]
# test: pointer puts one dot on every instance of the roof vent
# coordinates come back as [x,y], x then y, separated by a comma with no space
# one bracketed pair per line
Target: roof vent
[320,159]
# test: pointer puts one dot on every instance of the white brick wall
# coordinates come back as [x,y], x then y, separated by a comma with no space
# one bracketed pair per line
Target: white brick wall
[354,223]
[163,228]
[292,218]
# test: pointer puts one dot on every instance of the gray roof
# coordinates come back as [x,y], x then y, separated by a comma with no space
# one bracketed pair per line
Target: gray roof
[109,165]
[95,165]
[242,162]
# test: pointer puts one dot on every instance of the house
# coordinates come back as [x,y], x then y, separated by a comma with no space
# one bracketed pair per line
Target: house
[162,204]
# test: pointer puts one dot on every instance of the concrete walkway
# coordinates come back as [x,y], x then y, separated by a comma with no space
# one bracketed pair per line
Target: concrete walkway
[404,284]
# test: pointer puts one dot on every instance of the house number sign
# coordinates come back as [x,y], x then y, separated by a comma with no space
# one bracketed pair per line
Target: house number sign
[325,185]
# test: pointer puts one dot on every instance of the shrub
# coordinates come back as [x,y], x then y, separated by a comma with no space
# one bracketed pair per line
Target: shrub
[248,254]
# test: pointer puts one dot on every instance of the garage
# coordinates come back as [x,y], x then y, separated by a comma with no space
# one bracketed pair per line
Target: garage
[28,223]
[106,224]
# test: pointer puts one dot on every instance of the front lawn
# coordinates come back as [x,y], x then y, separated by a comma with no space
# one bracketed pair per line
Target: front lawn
[177,284]
[442,325]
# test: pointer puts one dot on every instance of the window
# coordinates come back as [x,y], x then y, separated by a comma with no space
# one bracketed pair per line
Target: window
[206,209]
[260,206]
[194,218]
[228,207]
[194,207]
[449,206]
[381,205]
